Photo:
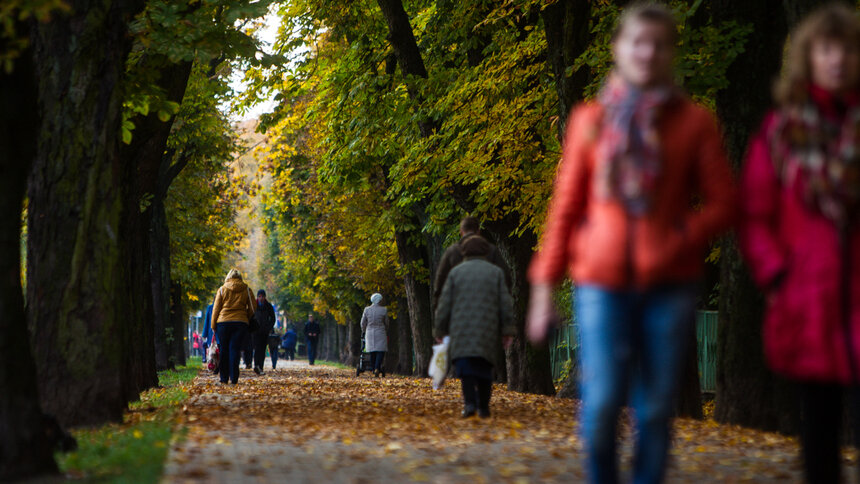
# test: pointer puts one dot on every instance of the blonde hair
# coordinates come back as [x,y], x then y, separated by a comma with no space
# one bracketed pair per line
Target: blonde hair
[649,12]
[233,274]
[835,21]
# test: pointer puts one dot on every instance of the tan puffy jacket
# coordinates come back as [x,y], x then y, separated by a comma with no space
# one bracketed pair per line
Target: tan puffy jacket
[233,302]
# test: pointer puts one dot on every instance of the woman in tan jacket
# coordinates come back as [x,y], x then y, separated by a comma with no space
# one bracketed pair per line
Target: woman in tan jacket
[233,309]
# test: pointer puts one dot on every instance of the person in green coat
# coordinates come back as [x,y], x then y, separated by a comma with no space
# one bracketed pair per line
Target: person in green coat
[476,311]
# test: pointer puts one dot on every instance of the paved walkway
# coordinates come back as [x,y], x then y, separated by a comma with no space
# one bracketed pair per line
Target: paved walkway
[320,424]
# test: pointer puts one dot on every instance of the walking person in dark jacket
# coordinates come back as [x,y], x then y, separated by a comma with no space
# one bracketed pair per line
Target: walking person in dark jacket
[266,319]
[476,310]
[312,335]
[289,343]
[469,227]
[208,334]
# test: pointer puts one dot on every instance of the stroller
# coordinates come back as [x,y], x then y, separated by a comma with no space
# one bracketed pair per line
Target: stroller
[363,360]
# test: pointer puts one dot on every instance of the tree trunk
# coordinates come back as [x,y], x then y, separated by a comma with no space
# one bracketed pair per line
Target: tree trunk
[529,368]
[404,334]
[25,449]
[143,171]
[747,392]
[418,297]
[568,34]
[354,341]
[689,402]
[160,284]
[78,290]
[179,322]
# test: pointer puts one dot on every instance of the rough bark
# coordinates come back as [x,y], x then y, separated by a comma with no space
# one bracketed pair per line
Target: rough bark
[354,338]
[147,168]
[568,34]
[179,323]
[25,449]
[529,368]
[159,283]
[78,288]
[413,257]
[404,334]
[747,392]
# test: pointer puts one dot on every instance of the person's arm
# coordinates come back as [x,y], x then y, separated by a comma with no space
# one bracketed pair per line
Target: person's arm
[216,309]
[364,321]
[443,310]
[758,233]
[716,187]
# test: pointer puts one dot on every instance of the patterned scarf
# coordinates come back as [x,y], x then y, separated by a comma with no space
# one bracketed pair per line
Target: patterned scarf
[629,152]
[816,155]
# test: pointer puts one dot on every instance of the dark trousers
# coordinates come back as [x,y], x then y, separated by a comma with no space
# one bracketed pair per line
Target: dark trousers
[820,426]
[312,350]
[230,337]
[477,392]
[248,349]
[273,353]
[260,343]
[290,353]
[376,358]
[205,352]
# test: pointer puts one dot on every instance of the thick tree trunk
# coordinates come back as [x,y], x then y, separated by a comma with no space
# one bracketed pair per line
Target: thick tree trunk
[354,338]
[689,402]
[568,34]
[404,334]
[159,290]
[179,322]
[528,368]
[747,392]
[78,289]
[26,450]
[143,171]
[418,298]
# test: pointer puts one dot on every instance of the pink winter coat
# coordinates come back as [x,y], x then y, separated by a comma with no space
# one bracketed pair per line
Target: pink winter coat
[794,253]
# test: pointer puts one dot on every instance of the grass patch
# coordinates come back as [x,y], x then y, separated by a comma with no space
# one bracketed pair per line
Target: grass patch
[334,364]
[135,450]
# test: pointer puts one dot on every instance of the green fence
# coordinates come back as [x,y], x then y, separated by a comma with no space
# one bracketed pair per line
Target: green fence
[565,343]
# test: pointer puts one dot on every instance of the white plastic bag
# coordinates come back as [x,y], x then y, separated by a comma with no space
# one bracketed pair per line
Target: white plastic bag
[439,363]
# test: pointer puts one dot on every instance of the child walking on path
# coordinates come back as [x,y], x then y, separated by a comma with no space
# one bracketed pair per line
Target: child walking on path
[476,311]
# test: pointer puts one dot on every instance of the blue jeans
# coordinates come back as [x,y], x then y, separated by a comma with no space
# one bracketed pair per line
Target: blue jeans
[230,336]
[631,341]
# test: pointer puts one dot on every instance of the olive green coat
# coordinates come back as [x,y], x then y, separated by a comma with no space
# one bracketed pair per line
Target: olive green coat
[476,310]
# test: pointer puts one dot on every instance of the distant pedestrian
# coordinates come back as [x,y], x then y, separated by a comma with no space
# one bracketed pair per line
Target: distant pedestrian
[288,343]
[274,347]
[233,308]
[208,334]
[374,325]
[312,337]
[622,223]
[453,255]
[266,319]
[476,310]
[800,230]
[195,343]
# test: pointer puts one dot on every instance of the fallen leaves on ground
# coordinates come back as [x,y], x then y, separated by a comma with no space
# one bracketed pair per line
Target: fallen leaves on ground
[399,428]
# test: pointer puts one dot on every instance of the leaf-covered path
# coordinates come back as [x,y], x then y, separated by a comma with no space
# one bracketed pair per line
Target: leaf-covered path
[322,424]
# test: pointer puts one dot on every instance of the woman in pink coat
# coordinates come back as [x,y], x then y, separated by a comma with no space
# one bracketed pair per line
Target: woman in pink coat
[801,226]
